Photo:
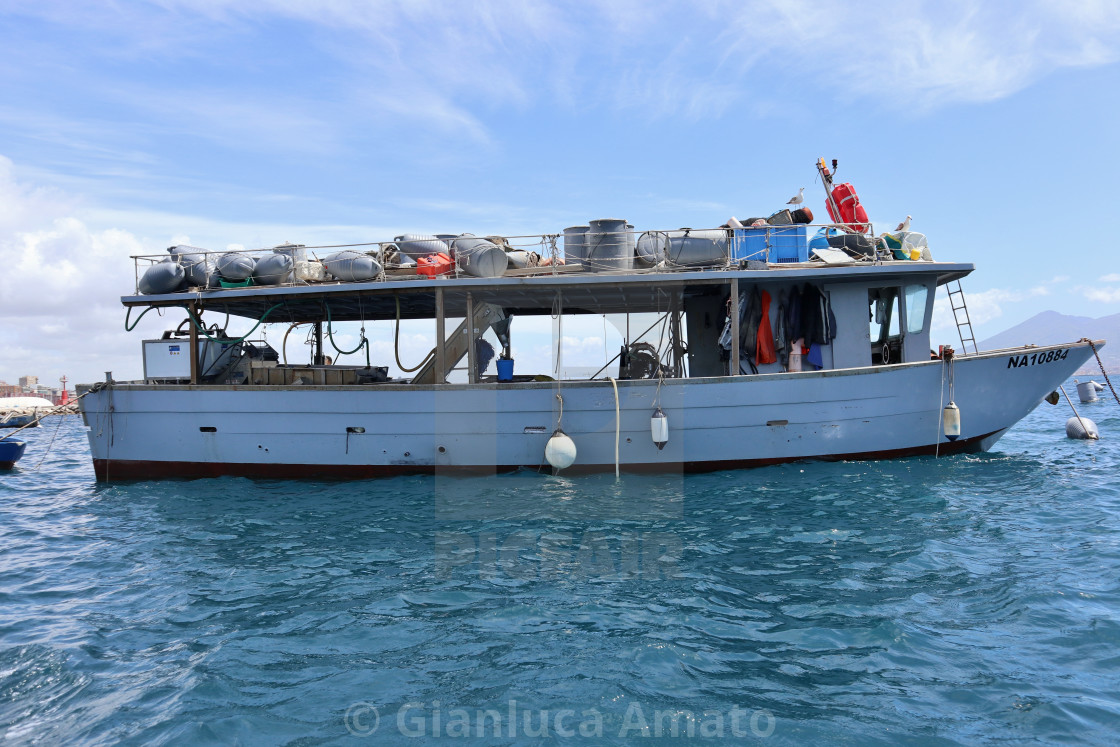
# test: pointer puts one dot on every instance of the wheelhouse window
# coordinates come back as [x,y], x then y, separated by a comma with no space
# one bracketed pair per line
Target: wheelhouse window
[916,296]
[884,333]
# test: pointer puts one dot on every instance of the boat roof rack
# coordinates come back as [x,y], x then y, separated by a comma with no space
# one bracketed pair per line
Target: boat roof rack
[592,293]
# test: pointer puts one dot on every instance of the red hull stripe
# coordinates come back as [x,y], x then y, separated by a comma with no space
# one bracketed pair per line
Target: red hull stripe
[148,470]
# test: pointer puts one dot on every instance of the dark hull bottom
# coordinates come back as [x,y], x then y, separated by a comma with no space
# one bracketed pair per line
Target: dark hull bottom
[114,469]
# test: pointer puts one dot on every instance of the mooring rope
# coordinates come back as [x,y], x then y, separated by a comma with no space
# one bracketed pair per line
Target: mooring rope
[1103,372]
[617,425]
[1076,414]
[50,445]
[55,410]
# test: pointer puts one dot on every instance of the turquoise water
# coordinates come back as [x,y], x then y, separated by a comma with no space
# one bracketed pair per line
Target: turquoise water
[966,600]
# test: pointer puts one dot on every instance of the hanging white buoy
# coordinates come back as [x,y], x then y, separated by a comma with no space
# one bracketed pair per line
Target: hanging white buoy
[659,428]
[951,417]
[560,451]
[1081,427]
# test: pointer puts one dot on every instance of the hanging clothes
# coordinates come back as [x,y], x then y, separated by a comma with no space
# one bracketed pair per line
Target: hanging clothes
[749,323]
[814,357]
[781,334]
[764,352]
[817,319]
[725,335]
[794,310]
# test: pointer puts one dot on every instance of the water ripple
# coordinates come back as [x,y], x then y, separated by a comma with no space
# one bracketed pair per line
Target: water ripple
[954,601]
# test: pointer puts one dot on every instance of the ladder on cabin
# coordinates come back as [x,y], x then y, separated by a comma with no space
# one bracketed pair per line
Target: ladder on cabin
[960,316]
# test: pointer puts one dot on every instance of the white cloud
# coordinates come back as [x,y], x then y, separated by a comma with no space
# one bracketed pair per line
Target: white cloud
[1112,277]
[448,67]
[1101,295]
[927,55]
[983,306]
[66,267]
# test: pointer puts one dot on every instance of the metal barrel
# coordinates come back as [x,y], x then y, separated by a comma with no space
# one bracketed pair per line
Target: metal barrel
[575,245]
[607,247]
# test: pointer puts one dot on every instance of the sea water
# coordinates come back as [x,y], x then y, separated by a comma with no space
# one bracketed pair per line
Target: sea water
[963,600]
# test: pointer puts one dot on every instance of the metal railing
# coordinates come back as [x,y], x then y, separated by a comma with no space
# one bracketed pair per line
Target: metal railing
[673,250]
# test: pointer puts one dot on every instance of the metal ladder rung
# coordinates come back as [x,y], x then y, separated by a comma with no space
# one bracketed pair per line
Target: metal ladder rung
[954,289]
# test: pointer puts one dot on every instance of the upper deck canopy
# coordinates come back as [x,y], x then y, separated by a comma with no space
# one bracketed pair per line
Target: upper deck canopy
[634,291]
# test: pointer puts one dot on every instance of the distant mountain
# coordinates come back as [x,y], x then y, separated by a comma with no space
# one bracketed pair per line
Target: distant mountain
[1050,328]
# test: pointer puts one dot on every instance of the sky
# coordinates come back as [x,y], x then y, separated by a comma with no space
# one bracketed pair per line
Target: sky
[126,127]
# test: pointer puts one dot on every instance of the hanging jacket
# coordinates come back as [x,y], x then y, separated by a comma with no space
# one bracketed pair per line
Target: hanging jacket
[817,319]
[749,320]
[764,353]
[781,334]
[794,310]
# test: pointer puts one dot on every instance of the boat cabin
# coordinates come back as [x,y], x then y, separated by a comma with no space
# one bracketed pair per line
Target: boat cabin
[791,316]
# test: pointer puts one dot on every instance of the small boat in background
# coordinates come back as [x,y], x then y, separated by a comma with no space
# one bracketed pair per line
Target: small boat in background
[18,412]
[10,452]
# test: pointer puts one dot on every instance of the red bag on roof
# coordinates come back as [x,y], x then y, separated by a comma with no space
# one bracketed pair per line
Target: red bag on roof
[851,212]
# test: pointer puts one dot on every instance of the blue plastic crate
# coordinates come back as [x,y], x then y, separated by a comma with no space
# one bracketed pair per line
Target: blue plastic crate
[771,244]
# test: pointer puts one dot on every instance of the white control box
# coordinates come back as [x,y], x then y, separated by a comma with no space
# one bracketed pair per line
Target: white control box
[167,359]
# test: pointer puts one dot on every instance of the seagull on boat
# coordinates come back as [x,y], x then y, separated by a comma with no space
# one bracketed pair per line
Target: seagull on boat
[798,198]
[904,225]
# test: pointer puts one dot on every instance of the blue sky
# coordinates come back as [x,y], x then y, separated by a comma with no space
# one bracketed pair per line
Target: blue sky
[125,127]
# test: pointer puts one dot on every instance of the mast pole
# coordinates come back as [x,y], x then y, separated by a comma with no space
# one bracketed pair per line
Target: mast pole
[318,359]
[472,372]
[192,345]
[441,340]
[733,314]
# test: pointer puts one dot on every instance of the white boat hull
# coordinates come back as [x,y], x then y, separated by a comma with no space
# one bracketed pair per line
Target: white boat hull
[139,431]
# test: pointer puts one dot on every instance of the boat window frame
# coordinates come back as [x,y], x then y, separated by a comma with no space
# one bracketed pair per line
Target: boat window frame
[906,306]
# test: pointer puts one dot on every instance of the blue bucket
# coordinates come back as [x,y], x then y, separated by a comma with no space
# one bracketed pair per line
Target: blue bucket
[505,369]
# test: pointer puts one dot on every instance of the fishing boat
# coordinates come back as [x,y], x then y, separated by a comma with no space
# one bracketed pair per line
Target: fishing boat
[23,412]
[773,341]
